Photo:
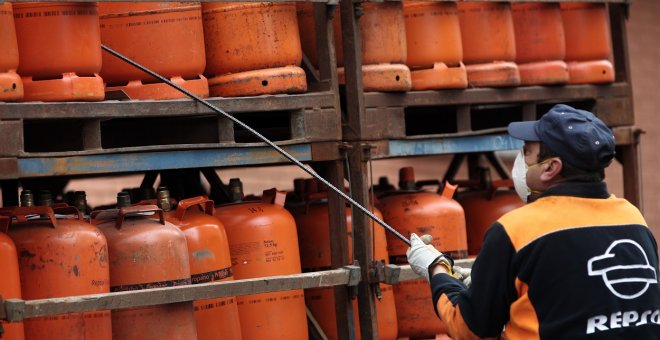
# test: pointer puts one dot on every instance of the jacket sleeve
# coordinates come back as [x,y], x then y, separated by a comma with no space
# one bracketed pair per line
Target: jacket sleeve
[483,309]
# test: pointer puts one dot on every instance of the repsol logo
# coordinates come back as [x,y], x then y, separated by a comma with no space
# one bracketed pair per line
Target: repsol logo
[600,323]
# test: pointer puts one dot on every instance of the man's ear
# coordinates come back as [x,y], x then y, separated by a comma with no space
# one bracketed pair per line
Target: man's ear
[552,169]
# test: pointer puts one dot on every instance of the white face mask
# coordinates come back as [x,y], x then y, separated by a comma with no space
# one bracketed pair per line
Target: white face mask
[519,176]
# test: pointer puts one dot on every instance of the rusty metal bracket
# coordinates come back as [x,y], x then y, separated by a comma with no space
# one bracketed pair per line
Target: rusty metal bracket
[392,273]
[354,275]
[386,273]
[13,310]
[354,278]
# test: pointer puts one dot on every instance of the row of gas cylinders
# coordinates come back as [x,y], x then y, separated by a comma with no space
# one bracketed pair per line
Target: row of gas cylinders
[242,49]
[428,45]
[58,251]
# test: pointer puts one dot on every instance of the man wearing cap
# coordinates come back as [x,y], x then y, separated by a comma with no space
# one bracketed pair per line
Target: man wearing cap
[574,263]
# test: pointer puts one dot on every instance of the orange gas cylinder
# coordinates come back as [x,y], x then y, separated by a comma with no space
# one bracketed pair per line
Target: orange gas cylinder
[263,242]
[59,258]
[307,29]
[252,48]
[59,47]
[166,37]
[435,52]
[10,285]
[588,43]
[489,46]
[11,86]
[208,252]
[540,43]
[314,238]
[410,210]
[485,206]
[147,253]
[383,48]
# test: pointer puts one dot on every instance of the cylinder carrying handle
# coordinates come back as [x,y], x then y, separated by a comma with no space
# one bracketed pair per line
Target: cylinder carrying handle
[68,210]
[20,214]
[138,209]
[273,196]
[202,201]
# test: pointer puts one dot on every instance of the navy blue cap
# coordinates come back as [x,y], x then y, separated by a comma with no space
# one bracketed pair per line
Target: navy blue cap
[577,136]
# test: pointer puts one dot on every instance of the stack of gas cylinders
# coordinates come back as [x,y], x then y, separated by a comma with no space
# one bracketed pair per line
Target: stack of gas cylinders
[51,250]
[52,50]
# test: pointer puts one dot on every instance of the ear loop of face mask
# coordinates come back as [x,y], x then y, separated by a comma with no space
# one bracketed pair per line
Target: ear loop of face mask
[519,175]
[533,165]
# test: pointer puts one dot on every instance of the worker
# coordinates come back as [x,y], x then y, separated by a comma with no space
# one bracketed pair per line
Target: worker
[575,262]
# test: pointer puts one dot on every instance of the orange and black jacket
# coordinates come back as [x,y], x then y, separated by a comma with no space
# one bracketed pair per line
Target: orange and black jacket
[577,263]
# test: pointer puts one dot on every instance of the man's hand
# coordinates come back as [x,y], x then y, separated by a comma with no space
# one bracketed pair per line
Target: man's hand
[422,257]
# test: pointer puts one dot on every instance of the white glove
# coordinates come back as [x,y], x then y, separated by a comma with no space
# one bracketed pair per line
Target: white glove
[422,256]
[463,274]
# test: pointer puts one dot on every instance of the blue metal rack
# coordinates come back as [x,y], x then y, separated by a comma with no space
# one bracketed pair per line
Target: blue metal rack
[464,144]
[145,161]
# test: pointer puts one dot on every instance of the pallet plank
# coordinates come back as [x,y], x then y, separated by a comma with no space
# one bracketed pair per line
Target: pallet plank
[162,108]
[491,95]
[17,310]
[145,161]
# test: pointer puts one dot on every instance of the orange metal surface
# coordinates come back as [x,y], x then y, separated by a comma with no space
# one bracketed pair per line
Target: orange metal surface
[483,207]
[588,43]
[495,74]
[543,73]
[243,36]
[263,242]
[10,285]
[166,37]
[587,30]
[435,51]
[382,77]
[590,72]
[11,87]
[440,76]
[208,252]
[488,36]
[314,238]
[415,211]
[383,43]
[540,43]
[307,29]
[487,32]
[433,33]
[383,46]
[56,38]
[147,253]
[70,87]
[136,89]
[539,32]
[286,79]
[57,258]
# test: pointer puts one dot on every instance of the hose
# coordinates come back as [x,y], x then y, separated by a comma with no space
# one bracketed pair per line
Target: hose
[260,136]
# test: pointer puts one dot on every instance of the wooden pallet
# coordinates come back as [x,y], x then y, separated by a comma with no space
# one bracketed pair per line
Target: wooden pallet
[426,114]
[73,129]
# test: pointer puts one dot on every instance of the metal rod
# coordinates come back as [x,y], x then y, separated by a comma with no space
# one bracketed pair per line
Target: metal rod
[260,136]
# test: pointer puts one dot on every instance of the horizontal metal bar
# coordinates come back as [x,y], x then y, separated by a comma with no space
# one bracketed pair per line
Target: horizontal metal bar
[332,1]
[593,1]
[17,310]
[437,146]
[498,96]
[162,108]
[324,1]
[145,161]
